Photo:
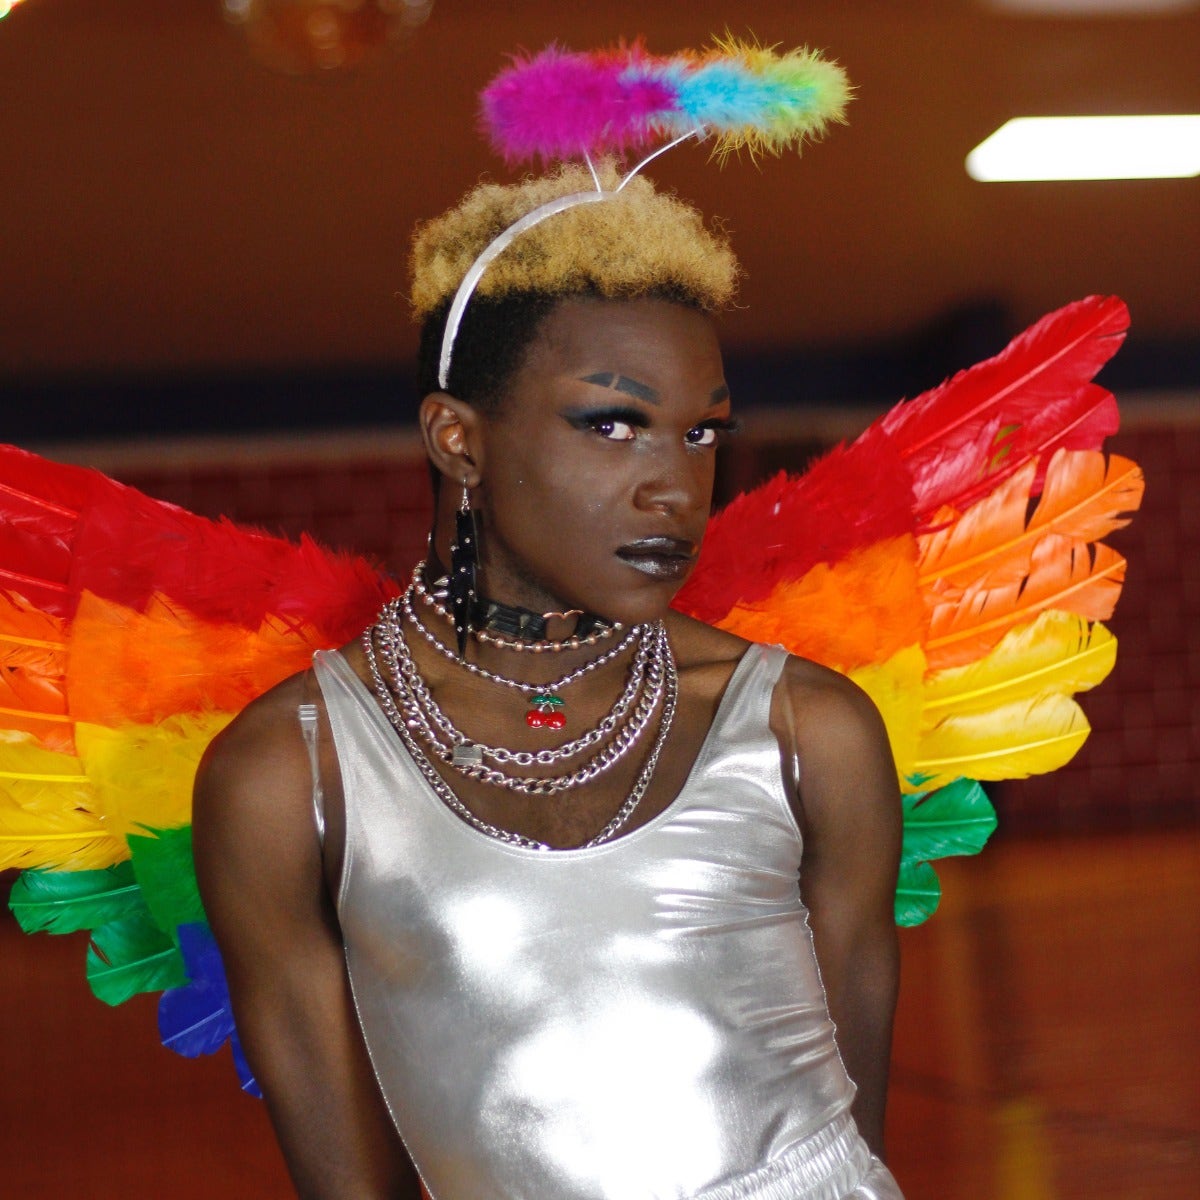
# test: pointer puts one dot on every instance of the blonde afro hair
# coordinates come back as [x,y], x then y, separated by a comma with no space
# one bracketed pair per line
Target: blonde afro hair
[637,242]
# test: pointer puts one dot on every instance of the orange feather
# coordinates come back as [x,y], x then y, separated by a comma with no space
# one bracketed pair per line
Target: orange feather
[845,615]
[1063,575]
[1085,497]
[143,667]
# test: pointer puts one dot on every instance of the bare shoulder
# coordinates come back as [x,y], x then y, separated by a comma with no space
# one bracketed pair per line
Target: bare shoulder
[262,734]
[844,762]
[257,770]
[827,705]
[706,657]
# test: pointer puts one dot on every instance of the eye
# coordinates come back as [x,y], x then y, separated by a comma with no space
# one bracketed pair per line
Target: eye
[711,433]
[614,430]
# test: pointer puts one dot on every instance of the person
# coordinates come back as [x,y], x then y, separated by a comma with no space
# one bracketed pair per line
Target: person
[551,890]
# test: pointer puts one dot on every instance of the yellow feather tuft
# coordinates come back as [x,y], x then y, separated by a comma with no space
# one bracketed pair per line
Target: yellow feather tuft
[1010,741]
[48,811]
[144,773]
[1059,652]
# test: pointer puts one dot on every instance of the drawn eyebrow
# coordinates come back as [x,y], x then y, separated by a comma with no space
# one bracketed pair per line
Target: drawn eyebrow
[622,383]
[720,395]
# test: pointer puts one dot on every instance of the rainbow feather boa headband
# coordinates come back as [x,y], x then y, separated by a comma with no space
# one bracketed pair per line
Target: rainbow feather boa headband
[561,105]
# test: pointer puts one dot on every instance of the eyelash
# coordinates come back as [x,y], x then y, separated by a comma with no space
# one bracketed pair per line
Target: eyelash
[636,419]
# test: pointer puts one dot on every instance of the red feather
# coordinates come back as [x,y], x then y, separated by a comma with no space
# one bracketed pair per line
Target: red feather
[66,530]
[965,436]
[855,496]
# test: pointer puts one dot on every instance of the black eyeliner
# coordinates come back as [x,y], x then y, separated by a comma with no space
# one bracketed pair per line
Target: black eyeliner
[725,426]
[588,418]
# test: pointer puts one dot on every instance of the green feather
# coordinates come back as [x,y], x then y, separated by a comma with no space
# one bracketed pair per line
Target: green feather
[130,956]
[918,891]
[67,901]
[162,864]
[956,819]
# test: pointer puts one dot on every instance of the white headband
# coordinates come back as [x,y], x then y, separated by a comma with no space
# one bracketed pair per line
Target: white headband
[466,289]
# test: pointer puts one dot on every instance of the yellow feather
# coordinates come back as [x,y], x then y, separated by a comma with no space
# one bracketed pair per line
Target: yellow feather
[48,812]
[143,774]
[893,686]
[1059,652]
[1010,741]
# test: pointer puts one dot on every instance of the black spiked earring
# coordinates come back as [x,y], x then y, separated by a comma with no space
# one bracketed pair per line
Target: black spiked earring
[464,563]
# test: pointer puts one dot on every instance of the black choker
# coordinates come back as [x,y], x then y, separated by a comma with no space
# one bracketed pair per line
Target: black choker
[525,625]
[509,620]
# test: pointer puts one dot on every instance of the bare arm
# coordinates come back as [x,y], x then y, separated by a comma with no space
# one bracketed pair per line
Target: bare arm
[259,865]
[851,817]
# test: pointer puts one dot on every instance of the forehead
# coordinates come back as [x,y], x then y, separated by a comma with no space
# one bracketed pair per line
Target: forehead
[657,342]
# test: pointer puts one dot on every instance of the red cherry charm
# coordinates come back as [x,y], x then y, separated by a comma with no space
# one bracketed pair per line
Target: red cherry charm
[535,719]
[555,720]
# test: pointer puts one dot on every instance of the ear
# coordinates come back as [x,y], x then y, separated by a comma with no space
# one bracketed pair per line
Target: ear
[450,429]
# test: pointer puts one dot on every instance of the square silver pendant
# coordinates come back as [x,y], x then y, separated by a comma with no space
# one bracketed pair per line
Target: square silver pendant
[467,755]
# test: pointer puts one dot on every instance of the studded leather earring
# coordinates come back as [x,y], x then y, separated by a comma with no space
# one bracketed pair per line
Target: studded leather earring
[464,565]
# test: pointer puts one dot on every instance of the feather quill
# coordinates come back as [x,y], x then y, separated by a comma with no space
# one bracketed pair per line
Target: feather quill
[957,819]
[1085,497]
[1058,652]
[1008,741]
[196,1018]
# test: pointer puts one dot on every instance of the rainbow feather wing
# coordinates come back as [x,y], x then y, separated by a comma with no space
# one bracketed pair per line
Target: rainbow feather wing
[963,591]
[131,632]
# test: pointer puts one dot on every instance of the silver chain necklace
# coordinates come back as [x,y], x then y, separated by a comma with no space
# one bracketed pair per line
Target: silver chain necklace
[417,707]
[444,793]
[644,684]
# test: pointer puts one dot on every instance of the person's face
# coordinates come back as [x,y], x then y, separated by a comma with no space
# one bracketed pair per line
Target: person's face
[597,470]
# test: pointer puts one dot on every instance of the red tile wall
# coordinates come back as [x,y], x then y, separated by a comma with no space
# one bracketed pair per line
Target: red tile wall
[379,507]
[1139,768]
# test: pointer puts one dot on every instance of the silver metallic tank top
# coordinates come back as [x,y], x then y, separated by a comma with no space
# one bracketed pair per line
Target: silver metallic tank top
[637,1021]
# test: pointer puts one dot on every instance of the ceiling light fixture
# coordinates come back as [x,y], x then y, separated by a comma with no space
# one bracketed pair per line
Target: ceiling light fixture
[1044,148]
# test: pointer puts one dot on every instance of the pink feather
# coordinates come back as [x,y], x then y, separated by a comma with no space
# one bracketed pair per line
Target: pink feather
[560,104]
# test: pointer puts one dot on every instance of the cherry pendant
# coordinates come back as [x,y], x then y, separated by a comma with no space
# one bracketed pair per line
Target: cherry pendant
[545,712]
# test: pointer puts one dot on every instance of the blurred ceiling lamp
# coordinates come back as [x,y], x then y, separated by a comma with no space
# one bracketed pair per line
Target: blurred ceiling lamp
[6,6]
[1042,148]
[302,37]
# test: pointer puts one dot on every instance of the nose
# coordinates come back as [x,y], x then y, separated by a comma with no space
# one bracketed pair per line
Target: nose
[677,482]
